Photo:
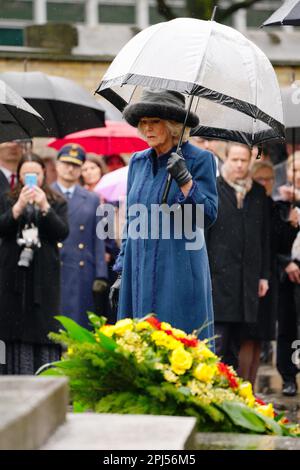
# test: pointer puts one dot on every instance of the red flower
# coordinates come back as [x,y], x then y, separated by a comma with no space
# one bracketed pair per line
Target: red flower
[224,370]
[259,401]
[190,343]
[154,322]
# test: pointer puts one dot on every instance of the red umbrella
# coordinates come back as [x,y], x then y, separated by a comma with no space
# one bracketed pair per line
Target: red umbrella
[116,137]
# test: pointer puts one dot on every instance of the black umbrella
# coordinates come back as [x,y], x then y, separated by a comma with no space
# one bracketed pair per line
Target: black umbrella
[287,14]
[65,106]
[18,120]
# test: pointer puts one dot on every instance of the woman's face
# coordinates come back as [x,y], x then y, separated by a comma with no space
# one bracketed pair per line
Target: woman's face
[265,177]
[155,132]
[32,167]
[91,173]
[297,173]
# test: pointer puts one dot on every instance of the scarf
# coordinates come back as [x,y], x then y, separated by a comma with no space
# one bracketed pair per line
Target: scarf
[240,186]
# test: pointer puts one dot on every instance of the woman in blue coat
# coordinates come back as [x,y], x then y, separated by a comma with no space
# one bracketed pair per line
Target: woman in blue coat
[163,274]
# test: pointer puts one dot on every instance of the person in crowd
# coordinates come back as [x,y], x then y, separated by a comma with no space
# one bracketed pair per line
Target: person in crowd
[33,219]
[264,329]
[213,145]
[83,266]
[113,162]
[10,155]
[161,274]
[92,171]
[288,255]
[238,249]
[50,163]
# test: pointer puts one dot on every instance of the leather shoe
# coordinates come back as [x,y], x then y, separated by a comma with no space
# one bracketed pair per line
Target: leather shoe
[289,389]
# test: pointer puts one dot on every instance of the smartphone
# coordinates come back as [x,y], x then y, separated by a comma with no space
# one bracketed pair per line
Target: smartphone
[30,179]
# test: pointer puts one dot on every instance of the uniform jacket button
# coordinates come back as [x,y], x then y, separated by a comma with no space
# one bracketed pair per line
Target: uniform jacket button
[60,245]
[81,263]
[81,227]
[81,246]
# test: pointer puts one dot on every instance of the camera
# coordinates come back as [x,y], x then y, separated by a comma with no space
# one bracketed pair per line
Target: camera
[28,238]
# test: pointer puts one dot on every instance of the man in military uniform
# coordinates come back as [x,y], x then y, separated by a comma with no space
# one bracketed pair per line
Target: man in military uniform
[83,266]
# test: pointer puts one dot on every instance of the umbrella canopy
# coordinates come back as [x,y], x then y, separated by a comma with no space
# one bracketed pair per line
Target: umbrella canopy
[287,14]
[18,120]
[112,186]
[225,71]
[116,137]
[65,106]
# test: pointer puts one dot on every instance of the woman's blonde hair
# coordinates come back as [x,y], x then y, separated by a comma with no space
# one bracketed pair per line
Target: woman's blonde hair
[175,129]
[258,165]
[291,158]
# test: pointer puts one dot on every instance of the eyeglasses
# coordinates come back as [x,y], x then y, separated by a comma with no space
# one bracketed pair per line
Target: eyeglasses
[264,180]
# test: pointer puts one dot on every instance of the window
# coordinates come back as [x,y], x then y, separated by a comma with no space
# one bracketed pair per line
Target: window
[16,10]
[65,12]
[11,37]
[124,14]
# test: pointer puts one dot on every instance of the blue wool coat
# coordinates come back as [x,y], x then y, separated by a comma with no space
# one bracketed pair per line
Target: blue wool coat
[82,256]
[160,275]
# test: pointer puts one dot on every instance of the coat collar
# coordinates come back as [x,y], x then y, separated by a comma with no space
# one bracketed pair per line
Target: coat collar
[78,198]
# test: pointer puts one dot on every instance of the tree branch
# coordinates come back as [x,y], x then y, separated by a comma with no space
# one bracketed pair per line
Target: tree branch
[235,7]
[164,10]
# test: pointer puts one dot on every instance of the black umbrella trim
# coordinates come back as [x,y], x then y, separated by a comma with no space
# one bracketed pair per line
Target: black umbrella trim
[236,136]
[16,123]
[190,89]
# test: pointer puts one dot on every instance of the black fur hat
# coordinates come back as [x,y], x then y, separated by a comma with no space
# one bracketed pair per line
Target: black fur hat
[165,104]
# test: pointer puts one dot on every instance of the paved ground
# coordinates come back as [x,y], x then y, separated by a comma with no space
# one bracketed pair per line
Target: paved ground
[268,387]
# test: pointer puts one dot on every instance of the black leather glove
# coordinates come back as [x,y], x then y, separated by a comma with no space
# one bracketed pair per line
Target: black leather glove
[114,294]
[176,166]
[100,286]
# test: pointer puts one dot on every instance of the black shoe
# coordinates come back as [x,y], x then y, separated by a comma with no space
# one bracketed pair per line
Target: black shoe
[289,389]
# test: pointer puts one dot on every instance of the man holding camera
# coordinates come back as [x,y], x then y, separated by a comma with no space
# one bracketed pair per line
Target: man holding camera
[83,266]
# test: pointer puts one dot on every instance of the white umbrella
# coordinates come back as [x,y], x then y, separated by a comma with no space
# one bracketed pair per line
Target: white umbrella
[238,96]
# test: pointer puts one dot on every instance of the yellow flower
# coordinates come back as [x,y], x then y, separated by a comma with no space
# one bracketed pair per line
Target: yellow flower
[162,339]
[122,326]
[245,391]
[107,330]
[179,333]
[205,372]
[266,410]
[170,376]
[181,360]
[202,352]
[166,326]
[70,351]
[143,325]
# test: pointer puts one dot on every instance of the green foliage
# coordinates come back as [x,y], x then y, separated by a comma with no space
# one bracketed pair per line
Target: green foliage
[106,377]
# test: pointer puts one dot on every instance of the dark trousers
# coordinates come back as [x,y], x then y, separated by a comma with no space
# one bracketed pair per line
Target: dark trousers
[228,342]
[287,331]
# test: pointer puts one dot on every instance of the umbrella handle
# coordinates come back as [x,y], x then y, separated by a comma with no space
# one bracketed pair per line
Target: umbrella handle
[169,179]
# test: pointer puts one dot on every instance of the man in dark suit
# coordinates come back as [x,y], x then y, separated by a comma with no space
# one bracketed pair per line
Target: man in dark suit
[83,266]
[10,154]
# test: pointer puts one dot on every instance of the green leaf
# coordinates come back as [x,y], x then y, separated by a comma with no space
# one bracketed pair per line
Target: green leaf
[76,331]
[96,321]
[79,407]
[271,424]
[243,416]
[106,342]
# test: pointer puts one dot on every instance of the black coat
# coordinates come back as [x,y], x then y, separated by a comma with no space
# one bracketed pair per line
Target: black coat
[4,184]
[29,297]
[239,253]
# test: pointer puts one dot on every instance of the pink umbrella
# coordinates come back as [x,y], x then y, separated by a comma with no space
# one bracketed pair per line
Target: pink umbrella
[112,186]
[116,137]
